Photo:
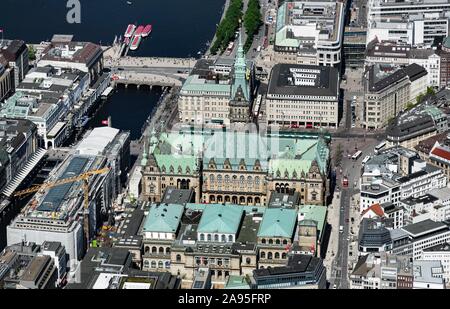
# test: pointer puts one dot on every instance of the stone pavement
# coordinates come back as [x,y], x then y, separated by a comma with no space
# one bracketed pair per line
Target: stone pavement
[333,220]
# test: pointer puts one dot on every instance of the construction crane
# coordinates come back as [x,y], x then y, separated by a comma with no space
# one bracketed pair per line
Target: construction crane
[81,177]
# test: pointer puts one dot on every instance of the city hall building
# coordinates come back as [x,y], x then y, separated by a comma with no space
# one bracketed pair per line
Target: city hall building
[236,167]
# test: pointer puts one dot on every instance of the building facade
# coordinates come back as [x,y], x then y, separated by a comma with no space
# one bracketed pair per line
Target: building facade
[309,32]
[303,96]
[236,167]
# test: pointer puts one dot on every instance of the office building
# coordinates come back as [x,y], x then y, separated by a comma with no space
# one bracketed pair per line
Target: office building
[213,94]
[417,23]
[388,90]
[382,271]
[309,32]
[15,53]
[396,174]
[428,275]
[301,272]
[392,53]
[303,96]
[415,125]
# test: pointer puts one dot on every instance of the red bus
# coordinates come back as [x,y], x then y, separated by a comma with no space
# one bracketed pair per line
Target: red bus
[345,182]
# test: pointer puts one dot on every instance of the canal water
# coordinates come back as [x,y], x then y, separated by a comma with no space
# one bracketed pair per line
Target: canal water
[181,28]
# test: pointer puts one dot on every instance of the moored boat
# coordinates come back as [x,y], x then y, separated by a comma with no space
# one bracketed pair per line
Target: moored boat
[135,42]
[147,30]
[130,30]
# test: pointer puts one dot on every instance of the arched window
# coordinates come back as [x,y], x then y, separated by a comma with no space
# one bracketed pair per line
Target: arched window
[211,179]
[263,255]
[230,238]
[277,255]
[263,240]
[209,237]
[227,180]
[178,258]
[285,241]
[249,181]
[154,249]
[146,263]
[234,180]
[216,238]
[269,255]
[153,264]
[248,260]
[167,264]
[202,237]
[277,242]
[224,238]
[219,180]
[257,181]
[147,249]
[168,250]
[241,182]
[160,264]
[270,242]
[283,255]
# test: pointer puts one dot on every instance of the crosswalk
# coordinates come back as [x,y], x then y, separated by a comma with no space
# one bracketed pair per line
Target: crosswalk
[23,173]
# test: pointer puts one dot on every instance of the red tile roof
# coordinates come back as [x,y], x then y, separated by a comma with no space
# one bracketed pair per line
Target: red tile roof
[376,208]
[439,152]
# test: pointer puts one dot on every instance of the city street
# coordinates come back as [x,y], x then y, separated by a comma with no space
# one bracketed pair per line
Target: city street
[352,170]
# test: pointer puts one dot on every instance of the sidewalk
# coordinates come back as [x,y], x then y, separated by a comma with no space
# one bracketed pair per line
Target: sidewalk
[333,220]
[354,213]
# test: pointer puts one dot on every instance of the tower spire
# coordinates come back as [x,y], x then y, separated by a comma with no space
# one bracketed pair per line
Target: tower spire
[240,72]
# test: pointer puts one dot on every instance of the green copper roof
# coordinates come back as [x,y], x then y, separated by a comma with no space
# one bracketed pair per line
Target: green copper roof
[195,84]
[240,70]
[245,208]
[315,213]
[237,282]
[294,153]
[177,165]
[278,222]
[289,168]
[446,42]
[220,219]
[163,218]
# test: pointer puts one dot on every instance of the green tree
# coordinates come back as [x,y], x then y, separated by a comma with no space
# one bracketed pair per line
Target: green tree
[430,91]
[338,155]
[31,53]
[252,22]
[419,98]
[227,28]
